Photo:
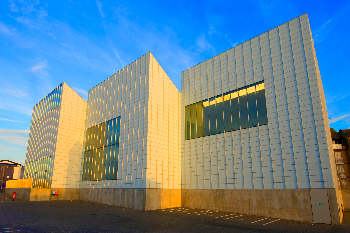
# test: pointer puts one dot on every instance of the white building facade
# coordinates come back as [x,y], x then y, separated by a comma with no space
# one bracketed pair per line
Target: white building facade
[254,119]
[56,140]
[132,146]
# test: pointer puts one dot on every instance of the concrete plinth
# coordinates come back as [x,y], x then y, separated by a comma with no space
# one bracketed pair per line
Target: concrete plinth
[292,204]
[43,194]
[141,199]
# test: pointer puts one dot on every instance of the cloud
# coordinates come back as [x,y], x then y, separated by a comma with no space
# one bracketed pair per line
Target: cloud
[203,44]
[16,105]
[339,118]
[99,6]
[14,136]
[37,67]
[14,131]
[81,91]
[13,6]
[15,140]
[325,29]
[5,30]
[16,93]
[3,119]
[13,100]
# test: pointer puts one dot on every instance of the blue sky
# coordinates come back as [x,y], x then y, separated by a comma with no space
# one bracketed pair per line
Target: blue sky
[82,43]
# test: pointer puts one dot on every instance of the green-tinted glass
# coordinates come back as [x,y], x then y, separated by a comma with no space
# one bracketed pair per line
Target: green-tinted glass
[243,108]
[212,116]
[206,118]
[193,121]
[253,118]
[261,103]
[235,111]
[187,122]
[200,132]
[220,114]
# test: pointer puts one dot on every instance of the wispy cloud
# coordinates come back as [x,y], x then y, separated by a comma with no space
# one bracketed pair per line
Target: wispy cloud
[163,42]
[325,29]
[213,31]
[3,119]
[16,93]
[203,44]
[81,91]
[37,67]
[99,6]
[339,118]
[14,131]
[14,136]
[13,100]
[15,140]
[5,30]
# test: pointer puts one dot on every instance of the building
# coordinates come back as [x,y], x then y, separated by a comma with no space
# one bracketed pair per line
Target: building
[255,134]
[249,134]
[9,171]
[132,146]
[340,143]
[56,140]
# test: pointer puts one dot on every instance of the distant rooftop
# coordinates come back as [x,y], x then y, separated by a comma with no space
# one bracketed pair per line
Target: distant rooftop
[334,134]
[9,162]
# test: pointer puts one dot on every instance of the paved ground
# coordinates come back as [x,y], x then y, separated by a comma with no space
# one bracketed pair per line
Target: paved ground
[80,216]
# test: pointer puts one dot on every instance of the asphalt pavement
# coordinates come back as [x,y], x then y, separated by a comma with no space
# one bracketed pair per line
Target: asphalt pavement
[82,216]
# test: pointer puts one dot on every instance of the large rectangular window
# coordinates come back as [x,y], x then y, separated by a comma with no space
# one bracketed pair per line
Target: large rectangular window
[101,151]
[239,109]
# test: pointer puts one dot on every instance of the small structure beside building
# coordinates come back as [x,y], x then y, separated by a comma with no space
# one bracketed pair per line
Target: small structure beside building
[9,171]
[340,142]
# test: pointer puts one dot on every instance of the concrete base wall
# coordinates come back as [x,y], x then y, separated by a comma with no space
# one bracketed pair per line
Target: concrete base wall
[141,199]
[292,204]
[21,193]
[129,198]
[346,199]
[41,194]
[162,198]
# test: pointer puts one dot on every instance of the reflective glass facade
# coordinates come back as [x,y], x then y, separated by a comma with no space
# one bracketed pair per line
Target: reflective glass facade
[239,109]
[101,151]
[42,139]
[41,172]
[50,102]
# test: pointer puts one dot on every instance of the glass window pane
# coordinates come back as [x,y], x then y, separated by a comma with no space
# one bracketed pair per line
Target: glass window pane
[107,141]
[212,113]
[220,114]
[227,113]
[187,123]
[118,125]
[200,119]
[243,109]
[235,111]
[193,121]
[103,133]
[206,118]
[253,118]
[261,103]
[114,169]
